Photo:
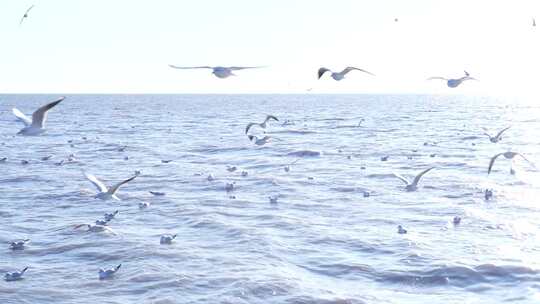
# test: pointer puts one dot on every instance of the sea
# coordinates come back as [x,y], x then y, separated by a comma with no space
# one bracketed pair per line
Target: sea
[312,216]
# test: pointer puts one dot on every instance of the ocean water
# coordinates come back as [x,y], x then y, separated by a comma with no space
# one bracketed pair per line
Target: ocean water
[325,240]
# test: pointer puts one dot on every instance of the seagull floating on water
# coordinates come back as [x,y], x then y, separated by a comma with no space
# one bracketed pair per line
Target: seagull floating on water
[26,14]
[507,155]
[36,125]
[262,124]
[16,275]
[167,239]
[104,192]
[401,230]
[144,205]
[453,83]
[109,216]
[339,76]
[96,228]
[498,137]
[412,186]
[156,193]
[108,273]
[19,245]
[259,141]
[218,71]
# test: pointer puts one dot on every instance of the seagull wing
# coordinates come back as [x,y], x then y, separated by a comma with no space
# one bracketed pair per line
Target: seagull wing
[501,132]
[438,78]
[236,68]
[188,68]
[419,176]
[492,161]
[268,117]
[29,9]
[403,179]
[322,71]
[249,125]
[115,188]
[27,121]
[522,156]
[40,115]
[348,69]
[99,185]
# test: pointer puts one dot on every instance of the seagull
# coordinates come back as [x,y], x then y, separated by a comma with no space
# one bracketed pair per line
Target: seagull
[507,155]
[167,239]
[166,161]
[26,14]
[96,228]
[231,168]
[144,205]
[210,177]
[19,245]
[16,275]
[45,158]
[218,71]
[156,193]
[401,230]
[110,216]
[453,83]
[36,125]
[108,273]
[229,186]
[339,76]
[456,220]
[498,137]
[413,186]
[262,124]
[244,173]
[259,141]
[104,192]
[3,159]
[273,199]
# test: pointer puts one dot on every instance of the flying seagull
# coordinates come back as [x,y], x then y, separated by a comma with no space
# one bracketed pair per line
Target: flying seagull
[453,83]
[26,14]
[339,76]
[413,186]
[262,124]
[36,125]
[534,22]
[498,137]
[507,155]
[104,192]
[218,71]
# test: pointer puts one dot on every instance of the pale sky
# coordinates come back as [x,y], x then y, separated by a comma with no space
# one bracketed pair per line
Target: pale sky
[125,46]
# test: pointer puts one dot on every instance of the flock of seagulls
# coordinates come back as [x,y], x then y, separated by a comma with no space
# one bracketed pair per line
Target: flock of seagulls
[36,126]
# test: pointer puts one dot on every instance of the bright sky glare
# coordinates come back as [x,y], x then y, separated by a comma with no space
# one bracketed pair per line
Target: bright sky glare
[125,46]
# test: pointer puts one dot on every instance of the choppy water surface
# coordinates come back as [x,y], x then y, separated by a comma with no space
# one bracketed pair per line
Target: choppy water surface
[323,242]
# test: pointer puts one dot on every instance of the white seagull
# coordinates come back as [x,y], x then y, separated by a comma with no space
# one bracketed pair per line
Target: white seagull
[414,185]
[108,273]
[498,137]
[453,83]
[218,71]
[26,14]
[259,141]
[167,239]
[104,192]
[507,155]
[36,125]
[262,124]
[339,76]
[96,228]
[16,275]
[19,245]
